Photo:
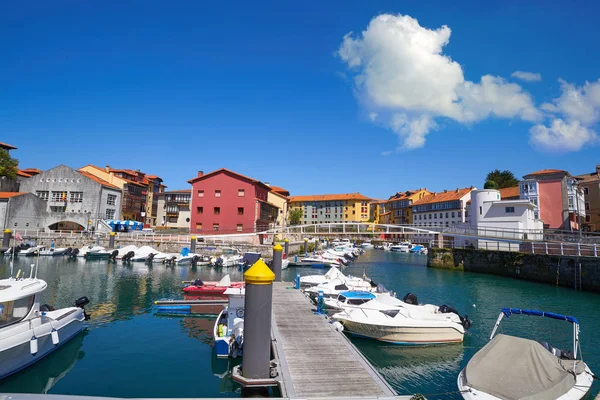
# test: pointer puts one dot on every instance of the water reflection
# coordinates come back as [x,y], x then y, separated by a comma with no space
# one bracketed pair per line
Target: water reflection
[221,368]
[48,371]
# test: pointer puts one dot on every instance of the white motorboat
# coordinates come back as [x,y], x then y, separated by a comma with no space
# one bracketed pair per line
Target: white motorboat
[32,251]
[285,263]
[61,251]
[228,331]
[510,367]
[89,249]
[318,260]
[313,280]
[418,249]
[388,319]
[193,259]
[347,299]
[325,256]
[143,254]
[28,331]
[231,257]
[333,287]
[366,245]
[126,251]
[403,247]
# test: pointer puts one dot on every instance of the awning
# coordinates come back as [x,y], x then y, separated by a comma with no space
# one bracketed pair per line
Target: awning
[131,225]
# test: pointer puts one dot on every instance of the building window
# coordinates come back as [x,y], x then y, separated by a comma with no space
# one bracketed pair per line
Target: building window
[217,210]
[480,210]
[586,190]
[240,210]
[76,197]
[588,218]
[199,210]
[452,214]
[240,227]
[110,213]
[217,193]
[215,227]
[59,196]
[111,200]
[587,206]
[42,194]
[571,202]
[241,192]
[198,226]
[200,194]
[509,209]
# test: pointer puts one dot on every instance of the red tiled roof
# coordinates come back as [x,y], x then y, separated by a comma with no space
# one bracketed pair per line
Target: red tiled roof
[8,195]
[99,180]
[509,192]
[7,146]
[547,171]
[225,170]
[591,177]
[32,171]
[333,197]
[23,174]
[448,195]
[179,191]
[280,190]
[374,201]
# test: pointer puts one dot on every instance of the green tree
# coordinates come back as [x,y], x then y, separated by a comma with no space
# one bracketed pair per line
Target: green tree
[295,216]
[502,179]
[8,165]
[490,185]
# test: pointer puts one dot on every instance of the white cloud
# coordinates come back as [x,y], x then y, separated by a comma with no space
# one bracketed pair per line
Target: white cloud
[577,103]
[373,116]
[561,136]
[402,75]
[527,76]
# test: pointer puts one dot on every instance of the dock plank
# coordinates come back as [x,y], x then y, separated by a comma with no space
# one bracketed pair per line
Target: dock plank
[317,360]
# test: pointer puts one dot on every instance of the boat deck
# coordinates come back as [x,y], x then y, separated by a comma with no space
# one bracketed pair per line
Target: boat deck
[316,361]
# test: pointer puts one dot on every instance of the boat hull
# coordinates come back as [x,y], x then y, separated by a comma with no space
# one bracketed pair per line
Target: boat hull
[18,356]
[404,335]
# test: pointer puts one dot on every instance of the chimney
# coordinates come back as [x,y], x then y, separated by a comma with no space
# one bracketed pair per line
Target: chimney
[107,168]
[200,173]
[268,184]
[598,169]
[456,190]
[445,191]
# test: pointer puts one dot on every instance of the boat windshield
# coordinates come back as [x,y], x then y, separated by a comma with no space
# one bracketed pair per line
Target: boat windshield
[12,312]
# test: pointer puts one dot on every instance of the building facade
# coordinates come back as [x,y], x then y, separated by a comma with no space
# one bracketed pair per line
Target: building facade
[280,198]
[557,196]
[590,184]
[377,208]
[400,205]
[441,209]
[72,200]
[332,208]
[174,209]
[225,202]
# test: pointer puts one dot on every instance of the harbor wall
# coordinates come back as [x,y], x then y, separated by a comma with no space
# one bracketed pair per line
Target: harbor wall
[552,269]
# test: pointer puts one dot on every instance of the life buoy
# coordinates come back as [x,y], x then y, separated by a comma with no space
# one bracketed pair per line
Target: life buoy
[239,312]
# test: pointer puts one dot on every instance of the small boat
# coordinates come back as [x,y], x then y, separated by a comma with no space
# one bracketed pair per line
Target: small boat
[125,251]
[313,280]
[348,299]
[510,367]
[143,253]
[418,249]
[391,320]
[285,263]
[89,249]
[101,255]
[61,251]
[228,331]
[403,247]
[28,331]
[231,257]
[333,287]
[318,259]
[366,245]
[31,251]
[200,288]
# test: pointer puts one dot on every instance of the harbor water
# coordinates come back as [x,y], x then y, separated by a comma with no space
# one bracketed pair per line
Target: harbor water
[128,351]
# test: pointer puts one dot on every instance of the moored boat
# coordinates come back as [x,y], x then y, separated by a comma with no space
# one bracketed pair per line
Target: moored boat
[61,251]
[28,331]
[228,331]
[511,367]
[200,288]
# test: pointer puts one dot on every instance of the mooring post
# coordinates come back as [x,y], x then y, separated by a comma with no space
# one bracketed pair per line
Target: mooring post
[305,247]
[277,261]
[297,281]
[257,321]
[595,250]
[97,240]
[286,247]
[6,239]
[111,240]
[193,241]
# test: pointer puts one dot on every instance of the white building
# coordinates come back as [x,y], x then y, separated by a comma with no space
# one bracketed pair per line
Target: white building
[504,219]
[174,209]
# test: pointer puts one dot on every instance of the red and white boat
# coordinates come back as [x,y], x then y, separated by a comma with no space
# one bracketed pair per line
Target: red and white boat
[200,288]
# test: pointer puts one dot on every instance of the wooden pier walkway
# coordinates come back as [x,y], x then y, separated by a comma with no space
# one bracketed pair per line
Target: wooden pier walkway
[316,361]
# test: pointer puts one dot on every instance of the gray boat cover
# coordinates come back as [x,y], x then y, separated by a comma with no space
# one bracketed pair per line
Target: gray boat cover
[514,368]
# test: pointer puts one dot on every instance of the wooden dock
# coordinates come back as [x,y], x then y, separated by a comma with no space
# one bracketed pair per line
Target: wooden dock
[315,360]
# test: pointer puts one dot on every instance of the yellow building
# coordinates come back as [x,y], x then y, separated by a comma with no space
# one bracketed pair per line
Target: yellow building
[400,205]
[377,208]
[332,208]
[279,197]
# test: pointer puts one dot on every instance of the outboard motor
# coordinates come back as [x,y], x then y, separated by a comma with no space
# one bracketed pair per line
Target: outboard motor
[411,298]
[81,303]
[562,354]
[150,257]
[128,256]
[195,260]
[69,251]
[74,253]
[198,282]
[219,262]
[464,320]
[113,255]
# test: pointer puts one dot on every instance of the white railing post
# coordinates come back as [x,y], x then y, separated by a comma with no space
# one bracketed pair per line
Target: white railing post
[595,250]
[344,228]
[532,247]
[562,252]
[546,246]
[578,248]
[498,245]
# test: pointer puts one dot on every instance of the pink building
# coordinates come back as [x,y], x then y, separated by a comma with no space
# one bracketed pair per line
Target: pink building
[557,196]
[224,202]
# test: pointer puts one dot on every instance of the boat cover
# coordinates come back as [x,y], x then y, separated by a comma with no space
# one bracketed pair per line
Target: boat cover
[512,368]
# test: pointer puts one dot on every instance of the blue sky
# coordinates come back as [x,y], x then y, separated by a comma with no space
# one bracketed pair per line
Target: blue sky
[270,89]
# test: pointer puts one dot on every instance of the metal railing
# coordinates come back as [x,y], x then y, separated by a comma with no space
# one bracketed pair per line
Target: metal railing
[545,248]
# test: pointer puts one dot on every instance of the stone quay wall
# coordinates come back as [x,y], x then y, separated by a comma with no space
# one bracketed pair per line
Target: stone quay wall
[552,269]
